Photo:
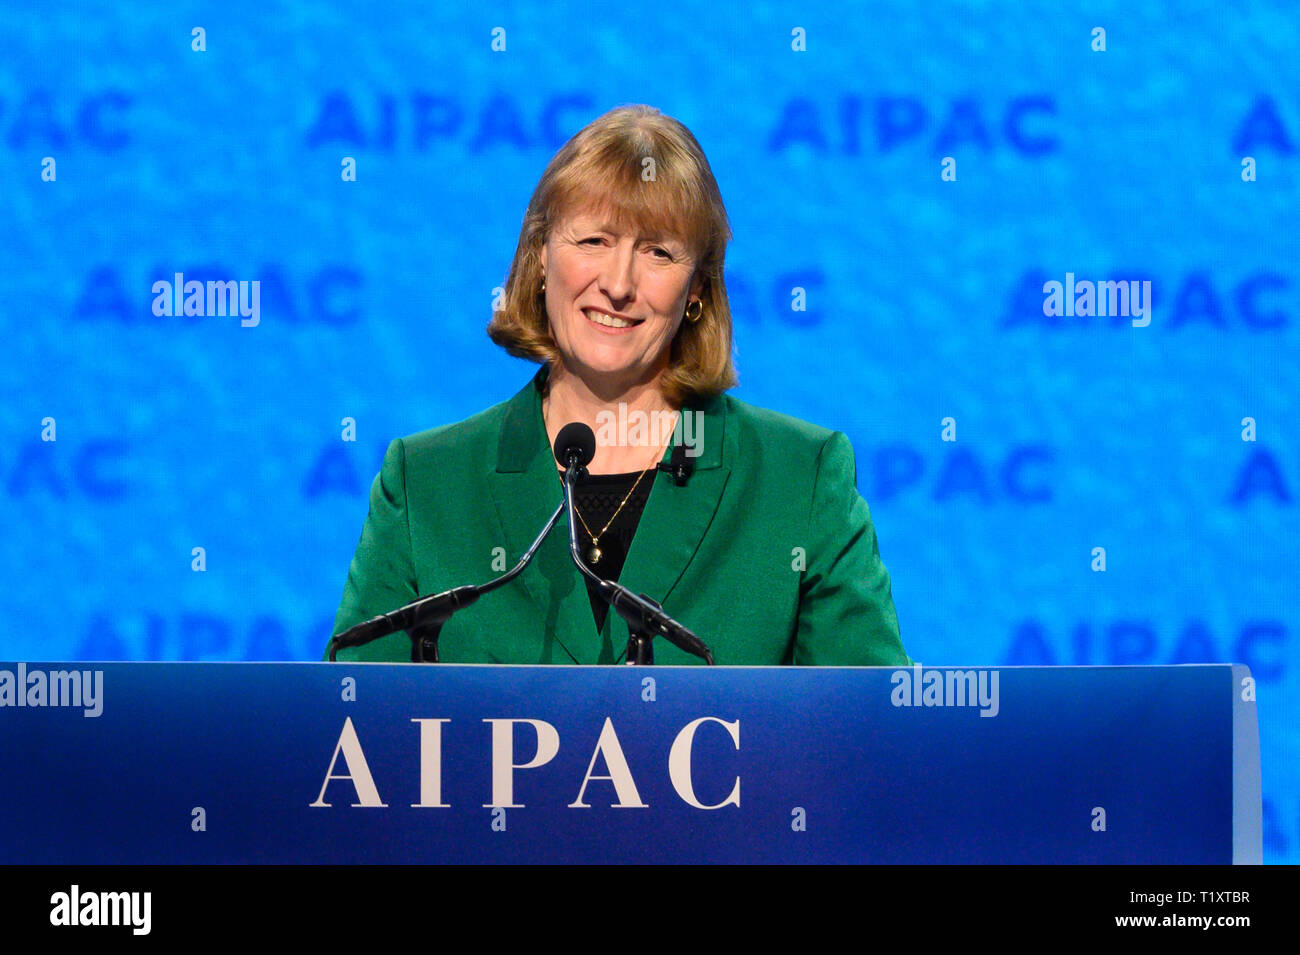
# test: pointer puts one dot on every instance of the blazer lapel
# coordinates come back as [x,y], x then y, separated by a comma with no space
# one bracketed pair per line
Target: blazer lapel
[676,519]
[525,489]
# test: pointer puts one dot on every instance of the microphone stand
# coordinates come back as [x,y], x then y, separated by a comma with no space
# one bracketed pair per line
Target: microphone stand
[422,619]
[645,618]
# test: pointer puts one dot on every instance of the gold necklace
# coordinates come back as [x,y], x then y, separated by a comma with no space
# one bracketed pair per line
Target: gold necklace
[594,553]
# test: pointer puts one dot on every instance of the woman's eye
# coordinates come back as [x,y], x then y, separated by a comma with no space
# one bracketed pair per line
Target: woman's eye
[664,255]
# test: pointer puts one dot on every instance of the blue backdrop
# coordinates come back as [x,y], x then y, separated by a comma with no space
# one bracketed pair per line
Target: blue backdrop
[1163,149]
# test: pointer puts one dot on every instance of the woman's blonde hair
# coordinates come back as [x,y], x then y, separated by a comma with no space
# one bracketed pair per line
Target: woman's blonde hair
[647,172]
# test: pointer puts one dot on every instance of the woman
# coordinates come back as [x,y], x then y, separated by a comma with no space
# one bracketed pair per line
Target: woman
[764,549]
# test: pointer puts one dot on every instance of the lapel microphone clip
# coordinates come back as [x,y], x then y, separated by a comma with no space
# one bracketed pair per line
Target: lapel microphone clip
[679,465]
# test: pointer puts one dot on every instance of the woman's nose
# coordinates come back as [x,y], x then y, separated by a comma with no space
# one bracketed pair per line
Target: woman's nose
[618,273]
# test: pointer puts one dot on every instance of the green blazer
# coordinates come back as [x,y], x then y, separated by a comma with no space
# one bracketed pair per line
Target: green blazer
[768,552]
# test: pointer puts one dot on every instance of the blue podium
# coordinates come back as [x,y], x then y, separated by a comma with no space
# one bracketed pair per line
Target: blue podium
[368,763]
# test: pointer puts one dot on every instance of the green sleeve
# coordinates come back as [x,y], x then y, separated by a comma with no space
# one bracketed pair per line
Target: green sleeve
[846,606]
[382,576]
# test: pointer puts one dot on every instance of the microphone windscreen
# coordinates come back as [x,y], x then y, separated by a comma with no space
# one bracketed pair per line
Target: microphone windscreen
[576,438]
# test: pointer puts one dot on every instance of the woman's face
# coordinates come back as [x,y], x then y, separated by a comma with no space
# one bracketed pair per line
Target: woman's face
[615,300]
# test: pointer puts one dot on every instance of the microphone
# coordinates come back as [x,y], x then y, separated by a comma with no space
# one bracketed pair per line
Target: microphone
[575,446]
[433,609]
[645,616]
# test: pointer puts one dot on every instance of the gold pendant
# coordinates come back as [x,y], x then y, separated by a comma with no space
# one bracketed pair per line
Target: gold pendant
[593,555]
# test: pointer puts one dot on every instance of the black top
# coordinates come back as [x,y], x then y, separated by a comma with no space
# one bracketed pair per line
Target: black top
[596,499]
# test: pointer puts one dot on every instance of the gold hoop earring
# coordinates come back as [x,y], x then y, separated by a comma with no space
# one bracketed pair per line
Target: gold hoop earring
[543,285]
[699,310]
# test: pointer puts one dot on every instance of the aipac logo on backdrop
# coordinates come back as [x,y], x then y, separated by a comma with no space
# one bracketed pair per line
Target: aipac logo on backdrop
[1255,300]
[945,687]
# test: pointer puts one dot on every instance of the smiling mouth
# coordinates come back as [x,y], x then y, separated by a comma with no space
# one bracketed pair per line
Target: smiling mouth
[609,321]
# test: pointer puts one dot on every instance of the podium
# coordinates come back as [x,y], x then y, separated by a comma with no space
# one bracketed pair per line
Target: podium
[176,763]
